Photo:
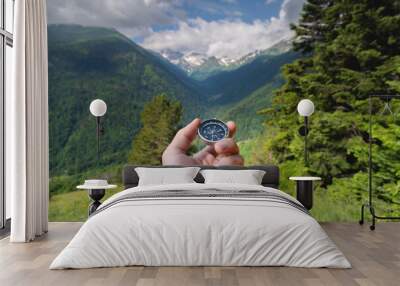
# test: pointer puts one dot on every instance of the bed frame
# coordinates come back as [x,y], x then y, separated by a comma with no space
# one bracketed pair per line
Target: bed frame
[130,178]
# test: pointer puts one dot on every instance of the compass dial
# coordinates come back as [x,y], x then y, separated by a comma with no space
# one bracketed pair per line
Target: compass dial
[213,130]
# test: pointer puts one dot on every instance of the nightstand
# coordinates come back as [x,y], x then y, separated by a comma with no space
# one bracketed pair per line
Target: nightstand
[304,190]
[96,190]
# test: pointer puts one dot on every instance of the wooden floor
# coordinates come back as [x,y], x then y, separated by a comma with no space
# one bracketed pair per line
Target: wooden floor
[375,257]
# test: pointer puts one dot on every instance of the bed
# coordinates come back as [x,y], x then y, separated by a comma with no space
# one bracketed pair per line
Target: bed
[198,224]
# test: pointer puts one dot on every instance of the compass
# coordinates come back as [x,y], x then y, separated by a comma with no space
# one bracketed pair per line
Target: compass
[213,130]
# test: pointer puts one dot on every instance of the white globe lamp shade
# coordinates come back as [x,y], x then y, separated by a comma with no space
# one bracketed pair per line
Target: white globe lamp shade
[305,107]
[98,107]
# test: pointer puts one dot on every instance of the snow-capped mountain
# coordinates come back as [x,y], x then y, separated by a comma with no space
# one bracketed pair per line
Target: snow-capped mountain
[172,56]
[192,61]
[277,49]
[226,61]
[188,62]
[195,59]
[198,63]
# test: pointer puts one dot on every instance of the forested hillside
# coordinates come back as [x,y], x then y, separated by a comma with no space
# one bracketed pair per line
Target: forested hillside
[240,93]
[229,87]
[350,50]
[89,63]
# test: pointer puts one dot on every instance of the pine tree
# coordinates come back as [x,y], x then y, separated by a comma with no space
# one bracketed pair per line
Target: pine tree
[355,54]
[160,118]
[313,27]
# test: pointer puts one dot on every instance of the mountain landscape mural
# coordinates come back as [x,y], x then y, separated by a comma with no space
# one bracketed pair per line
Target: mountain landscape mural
[164,63]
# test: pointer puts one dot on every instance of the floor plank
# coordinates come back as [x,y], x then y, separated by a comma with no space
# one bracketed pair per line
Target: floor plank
[375,257]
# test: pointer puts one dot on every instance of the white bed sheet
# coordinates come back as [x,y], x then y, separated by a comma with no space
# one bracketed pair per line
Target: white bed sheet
[200,232]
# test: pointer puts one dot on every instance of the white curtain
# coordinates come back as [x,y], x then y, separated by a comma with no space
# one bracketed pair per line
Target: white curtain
[27,124]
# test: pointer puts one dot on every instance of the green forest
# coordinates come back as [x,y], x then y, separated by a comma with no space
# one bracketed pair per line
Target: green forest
[343,52]
[350,50]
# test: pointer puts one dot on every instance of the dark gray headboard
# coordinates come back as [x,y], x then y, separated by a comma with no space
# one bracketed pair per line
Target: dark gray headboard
[130,178]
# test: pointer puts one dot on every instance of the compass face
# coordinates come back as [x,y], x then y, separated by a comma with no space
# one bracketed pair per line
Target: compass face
[213,130]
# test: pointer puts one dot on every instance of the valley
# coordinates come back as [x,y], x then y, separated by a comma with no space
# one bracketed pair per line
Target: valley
[200,66]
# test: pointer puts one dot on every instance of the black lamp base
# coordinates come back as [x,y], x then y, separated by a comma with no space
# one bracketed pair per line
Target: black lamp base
[304,193]
[96,195]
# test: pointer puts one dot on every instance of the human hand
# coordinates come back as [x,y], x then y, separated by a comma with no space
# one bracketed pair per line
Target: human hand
[224,152]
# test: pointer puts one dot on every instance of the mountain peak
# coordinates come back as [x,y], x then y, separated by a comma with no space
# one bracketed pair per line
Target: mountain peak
[194,59]
[172,56]
[194,63]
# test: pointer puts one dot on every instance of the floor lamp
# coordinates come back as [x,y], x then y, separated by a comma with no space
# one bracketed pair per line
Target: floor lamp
[305,108]
[98,108]
[96,188]
[304,184]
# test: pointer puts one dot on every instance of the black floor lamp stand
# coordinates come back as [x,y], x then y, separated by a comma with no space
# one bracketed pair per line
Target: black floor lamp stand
[305,141]
[370,204]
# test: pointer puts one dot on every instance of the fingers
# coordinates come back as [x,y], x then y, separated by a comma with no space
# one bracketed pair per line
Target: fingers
[232,128]
[236,160]
[209,149]
[206,155]
[227,153]
[175,153]
[226,147]
[184,137]
[224,152]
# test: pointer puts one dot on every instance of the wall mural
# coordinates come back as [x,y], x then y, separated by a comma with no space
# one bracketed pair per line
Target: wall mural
[163,66]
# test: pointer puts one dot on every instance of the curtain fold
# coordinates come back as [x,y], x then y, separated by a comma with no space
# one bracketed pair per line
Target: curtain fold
[27,117]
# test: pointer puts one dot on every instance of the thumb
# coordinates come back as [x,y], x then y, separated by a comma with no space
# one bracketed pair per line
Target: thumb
[184,137]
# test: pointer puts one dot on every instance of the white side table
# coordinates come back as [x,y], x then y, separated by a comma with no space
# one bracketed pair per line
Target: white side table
[304,190]
[96,190]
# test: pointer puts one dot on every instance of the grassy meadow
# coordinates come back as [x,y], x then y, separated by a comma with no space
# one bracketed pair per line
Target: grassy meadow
[73,206]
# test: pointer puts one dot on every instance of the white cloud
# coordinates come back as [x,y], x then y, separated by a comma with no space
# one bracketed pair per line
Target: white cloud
[137,18]
[131,17]
[233,38]
[267,2]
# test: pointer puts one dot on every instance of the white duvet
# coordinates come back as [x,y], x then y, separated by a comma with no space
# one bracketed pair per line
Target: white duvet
[200,231]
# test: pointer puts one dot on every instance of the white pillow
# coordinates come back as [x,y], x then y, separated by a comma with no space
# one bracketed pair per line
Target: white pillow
[248,177]
[166,176]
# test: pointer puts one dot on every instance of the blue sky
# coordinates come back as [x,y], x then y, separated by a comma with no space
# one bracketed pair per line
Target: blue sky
[218,28]
[248,11]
